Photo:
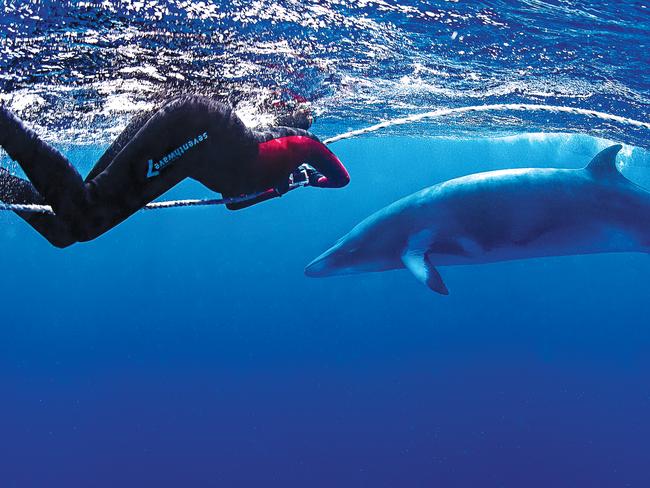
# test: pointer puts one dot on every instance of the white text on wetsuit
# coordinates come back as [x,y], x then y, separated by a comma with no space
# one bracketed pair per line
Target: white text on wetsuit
[154,169]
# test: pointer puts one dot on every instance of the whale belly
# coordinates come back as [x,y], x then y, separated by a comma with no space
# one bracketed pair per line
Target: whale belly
[564,241]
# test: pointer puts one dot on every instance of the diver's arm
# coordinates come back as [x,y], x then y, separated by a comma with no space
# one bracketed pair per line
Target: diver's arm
[267,195]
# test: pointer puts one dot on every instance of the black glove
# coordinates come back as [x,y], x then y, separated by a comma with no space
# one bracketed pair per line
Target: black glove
[305,174]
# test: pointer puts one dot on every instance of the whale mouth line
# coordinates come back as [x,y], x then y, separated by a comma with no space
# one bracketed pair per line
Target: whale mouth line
[316,268]
[325,266]
[311,272]
[322,268]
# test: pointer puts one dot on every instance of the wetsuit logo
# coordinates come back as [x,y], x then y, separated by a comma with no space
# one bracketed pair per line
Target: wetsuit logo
[154,168]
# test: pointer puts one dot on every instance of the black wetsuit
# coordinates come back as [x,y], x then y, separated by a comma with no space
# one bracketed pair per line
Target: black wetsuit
[191,137]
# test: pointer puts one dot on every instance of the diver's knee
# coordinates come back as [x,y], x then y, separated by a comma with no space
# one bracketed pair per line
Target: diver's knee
[56,231]
[60,240]
[62,243]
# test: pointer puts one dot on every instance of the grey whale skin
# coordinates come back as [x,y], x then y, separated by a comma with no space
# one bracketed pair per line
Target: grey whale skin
[498,216]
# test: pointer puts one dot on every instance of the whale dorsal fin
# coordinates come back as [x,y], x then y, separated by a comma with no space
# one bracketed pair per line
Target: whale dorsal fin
[419,265]
[603,165]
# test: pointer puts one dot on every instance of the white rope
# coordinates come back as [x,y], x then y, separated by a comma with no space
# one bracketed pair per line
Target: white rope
[517,107]
[46,209]
[32,208]
[488,108]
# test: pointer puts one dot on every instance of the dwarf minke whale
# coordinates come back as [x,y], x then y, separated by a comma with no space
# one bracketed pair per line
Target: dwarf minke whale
[498,216]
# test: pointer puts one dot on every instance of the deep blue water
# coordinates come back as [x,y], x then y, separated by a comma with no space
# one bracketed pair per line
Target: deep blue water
[187,348]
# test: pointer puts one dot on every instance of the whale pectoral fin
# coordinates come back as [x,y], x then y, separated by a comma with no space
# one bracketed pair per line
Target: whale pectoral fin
[419,265]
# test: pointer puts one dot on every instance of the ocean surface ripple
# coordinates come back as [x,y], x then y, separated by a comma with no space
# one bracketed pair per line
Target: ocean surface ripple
[69,65]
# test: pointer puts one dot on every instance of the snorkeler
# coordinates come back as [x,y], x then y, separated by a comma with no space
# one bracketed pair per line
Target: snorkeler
[190,137]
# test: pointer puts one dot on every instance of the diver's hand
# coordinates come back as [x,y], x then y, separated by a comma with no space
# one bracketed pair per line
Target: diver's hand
[306,175]
[315,177]
[299,175]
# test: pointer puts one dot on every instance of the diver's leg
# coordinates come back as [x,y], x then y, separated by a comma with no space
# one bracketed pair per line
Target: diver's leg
[134,125]
[57,183]
[128,183]
[16,190]
[53,176]
[131,181]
